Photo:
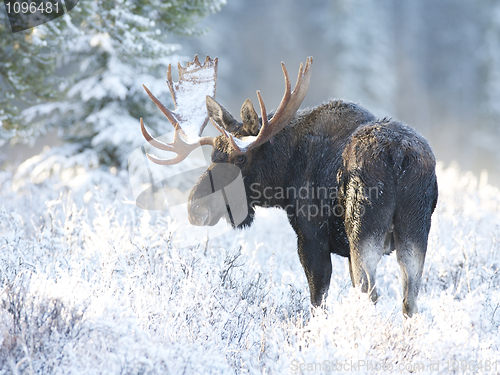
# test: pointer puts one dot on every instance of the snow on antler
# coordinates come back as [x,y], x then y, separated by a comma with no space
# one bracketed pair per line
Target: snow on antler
[196,81]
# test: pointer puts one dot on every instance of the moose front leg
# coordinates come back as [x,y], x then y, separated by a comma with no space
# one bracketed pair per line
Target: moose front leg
[314,255]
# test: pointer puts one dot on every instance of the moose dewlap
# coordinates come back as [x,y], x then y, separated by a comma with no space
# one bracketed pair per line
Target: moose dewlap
[351,184]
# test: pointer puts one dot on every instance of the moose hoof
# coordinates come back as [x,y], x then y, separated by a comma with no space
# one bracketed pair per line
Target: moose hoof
[409,309]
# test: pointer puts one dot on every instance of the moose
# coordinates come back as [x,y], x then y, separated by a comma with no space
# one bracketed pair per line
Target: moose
[351,184]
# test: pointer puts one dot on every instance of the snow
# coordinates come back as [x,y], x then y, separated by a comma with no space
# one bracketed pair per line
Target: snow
[244,142]
[89,284]
[190,98]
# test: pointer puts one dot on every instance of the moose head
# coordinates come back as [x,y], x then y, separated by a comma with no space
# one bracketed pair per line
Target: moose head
[237,145]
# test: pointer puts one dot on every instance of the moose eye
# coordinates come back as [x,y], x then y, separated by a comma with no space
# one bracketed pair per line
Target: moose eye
[241,159]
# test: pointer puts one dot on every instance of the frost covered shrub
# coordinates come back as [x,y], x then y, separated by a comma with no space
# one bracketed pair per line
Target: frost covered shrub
[36,330]
[91,284]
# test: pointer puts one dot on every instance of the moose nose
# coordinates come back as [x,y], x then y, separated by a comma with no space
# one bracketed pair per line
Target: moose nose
[201,217]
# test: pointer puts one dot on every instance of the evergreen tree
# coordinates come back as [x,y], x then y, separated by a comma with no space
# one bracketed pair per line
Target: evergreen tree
[107,50]
[27,73]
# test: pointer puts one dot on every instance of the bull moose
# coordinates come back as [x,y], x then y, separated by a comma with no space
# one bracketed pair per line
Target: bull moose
[368,185]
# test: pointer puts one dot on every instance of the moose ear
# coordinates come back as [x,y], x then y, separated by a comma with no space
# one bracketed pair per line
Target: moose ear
[220,114]
[250,118]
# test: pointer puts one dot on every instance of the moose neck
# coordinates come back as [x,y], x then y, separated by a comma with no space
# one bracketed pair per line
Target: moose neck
[274,165]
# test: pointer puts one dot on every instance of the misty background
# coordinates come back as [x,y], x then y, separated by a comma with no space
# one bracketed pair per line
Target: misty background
[434,65]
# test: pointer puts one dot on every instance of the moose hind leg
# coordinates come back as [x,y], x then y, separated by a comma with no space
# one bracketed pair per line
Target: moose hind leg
[412,222]
[363,262]
[411,257]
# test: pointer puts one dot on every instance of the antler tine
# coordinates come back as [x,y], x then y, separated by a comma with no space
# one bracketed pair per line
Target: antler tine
[266,129]
[179,146]
[286,97]
[292,99]
[167,112]
[269,128]
[153,141]
[170,84]
[182,153]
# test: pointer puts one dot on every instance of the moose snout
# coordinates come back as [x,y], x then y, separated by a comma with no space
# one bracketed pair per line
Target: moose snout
[199,216]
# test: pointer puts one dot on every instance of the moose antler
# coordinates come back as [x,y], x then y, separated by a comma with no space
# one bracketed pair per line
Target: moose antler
[196,81]
[179,146]
[190,117]
[284,114]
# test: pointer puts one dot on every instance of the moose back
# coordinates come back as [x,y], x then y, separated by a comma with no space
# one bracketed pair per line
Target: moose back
[351,184]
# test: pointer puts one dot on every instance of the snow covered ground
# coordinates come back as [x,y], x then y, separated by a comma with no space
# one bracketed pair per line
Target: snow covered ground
[91,284]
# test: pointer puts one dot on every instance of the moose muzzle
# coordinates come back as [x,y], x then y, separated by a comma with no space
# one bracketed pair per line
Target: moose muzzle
[219,192]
